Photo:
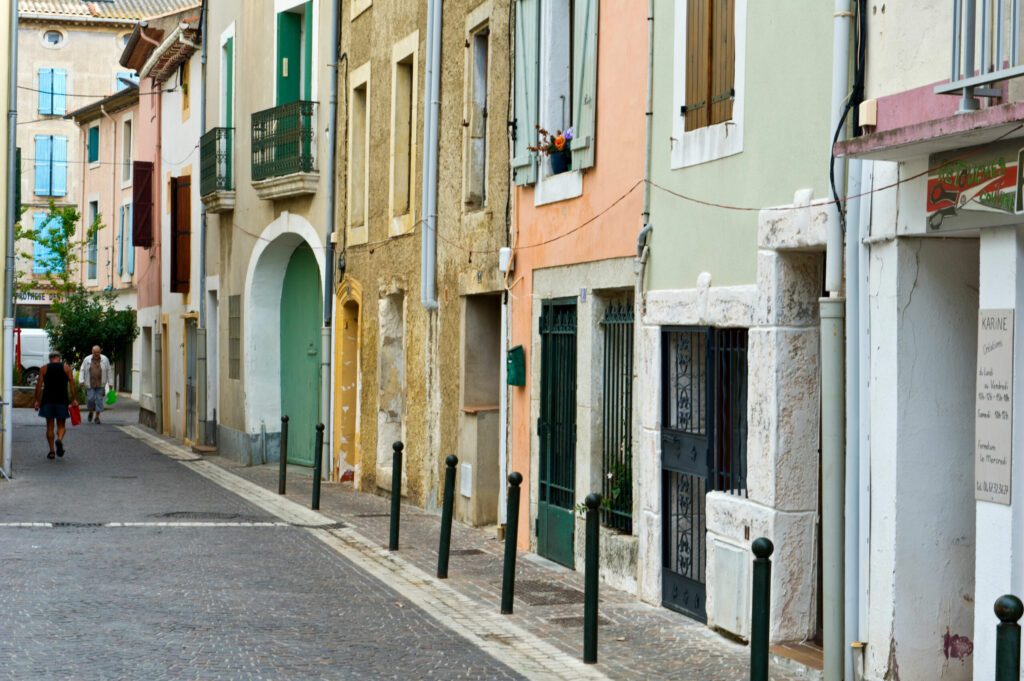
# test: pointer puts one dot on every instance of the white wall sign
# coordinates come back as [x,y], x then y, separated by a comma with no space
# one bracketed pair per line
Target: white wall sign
[993,412]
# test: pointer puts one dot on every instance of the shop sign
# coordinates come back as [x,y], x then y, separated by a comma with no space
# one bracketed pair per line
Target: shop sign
[993,410]
[976,187]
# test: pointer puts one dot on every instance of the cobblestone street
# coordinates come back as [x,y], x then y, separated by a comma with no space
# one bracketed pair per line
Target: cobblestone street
[132,558]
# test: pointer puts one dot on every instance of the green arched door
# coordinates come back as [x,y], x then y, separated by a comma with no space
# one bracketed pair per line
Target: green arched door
[301,317]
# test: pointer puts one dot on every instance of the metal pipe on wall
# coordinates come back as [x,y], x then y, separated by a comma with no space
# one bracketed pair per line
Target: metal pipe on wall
[12,217]
[431,114]
[833,485]
[201,349]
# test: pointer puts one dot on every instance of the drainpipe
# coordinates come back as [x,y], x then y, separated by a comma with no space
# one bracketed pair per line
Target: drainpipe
[201,350]
[833,455]
[642,249]
[327,333]
[431,114]
[12,217]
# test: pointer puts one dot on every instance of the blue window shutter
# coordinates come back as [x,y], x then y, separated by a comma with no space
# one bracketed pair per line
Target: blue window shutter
[584,79]
[120,241]
[45,91]
[39,252]
[128,236]
[60,166]
[526,79]
[52,227]
[43,156]
[60,91]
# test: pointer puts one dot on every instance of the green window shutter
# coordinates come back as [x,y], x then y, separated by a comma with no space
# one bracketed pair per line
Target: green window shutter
[527,89]
[584,77]
[94,144]
[307,52]
[229,82]
[289,57]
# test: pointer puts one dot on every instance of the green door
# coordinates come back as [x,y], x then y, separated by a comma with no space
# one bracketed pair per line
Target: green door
[289,57]
[556,429]
[301,306]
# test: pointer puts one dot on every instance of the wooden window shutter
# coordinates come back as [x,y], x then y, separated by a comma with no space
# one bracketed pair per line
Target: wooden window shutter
[142,199]
[526,78]
[723,60]
[181,233]
[698,60]
[584,96]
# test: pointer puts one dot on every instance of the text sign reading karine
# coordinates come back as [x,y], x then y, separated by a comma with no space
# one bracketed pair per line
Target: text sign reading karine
[993,411]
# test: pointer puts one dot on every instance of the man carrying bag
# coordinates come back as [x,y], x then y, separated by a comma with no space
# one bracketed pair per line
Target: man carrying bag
[95,376]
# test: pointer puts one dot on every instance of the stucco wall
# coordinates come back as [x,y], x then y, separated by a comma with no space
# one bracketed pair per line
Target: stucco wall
[785,98]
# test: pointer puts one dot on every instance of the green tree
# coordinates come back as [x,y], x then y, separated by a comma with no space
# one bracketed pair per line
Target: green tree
[86,318]
[59,256]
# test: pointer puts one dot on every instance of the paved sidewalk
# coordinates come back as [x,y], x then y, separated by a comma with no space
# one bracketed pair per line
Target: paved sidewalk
[636,641]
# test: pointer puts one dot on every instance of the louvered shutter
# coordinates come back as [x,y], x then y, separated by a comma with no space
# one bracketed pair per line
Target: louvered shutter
[45,91]
[181,228]
[94,144]
[723,60]
[698,58]
[40,263]
[120,241]
[42,165]
[60,166]
[584,74]
[128,237]
[526,90]
[60,92]
[142,200]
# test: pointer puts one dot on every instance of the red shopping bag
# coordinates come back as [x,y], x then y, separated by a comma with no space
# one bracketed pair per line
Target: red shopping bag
[76,414]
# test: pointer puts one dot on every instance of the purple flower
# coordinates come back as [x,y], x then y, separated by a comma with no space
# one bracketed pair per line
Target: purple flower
[568,135]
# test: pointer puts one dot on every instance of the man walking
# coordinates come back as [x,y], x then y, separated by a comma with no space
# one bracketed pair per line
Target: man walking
[95,376]
[54,391]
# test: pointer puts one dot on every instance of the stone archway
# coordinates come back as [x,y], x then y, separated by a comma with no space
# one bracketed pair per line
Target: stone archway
[264,287]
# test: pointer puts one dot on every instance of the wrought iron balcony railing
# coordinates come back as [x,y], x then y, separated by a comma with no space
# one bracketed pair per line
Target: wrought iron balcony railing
[216,161]
[985,49]
[283,140]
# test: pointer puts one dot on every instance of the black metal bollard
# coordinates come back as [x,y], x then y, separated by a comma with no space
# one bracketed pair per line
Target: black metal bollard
[282,474]
[1009,610]
[318,463]
[396,494]
[590,579]
[447,507]
[760,607]
[508,579]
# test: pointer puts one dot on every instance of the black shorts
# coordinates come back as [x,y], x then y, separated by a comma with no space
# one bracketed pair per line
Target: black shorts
[54,411]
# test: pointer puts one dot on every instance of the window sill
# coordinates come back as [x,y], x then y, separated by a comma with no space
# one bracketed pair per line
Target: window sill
[94,165]
[555,188]
[707,144]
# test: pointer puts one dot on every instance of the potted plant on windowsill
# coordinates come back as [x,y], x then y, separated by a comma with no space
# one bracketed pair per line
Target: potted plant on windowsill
[556,146]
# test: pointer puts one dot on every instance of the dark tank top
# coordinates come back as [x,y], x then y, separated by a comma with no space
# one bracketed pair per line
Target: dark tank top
[55,384]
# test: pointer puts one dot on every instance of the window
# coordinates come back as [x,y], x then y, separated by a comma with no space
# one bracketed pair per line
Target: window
[93,144]
[142,204]
[181,233]
[234,336]
[477,59]
[121,78]
[710,62]
[51,165]
[44,259]
[53,87]
[555,80]
[295,54]
[359,157]
[125,37]
[53,38]
[228,78]
[94,213]
[708,78]
[403,134]
[125,246]
[184,80]
[126,152]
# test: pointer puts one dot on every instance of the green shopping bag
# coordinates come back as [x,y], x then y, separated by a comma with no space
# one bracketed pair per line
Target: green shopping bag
[111,398]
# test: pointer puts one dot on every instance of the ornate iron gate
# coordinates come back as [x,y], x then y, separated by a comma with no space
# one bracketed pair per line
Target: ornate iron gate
[617,421]
[556,430]
[704,389]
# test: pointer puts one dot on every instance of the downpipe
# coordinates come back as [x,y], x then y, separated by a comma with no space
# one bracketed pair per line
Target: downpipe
[202,351]
[428,235]
[12,218]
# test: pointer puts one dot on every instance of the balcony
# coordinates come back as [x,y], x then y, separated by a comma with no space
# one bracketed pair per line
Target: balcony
[284,151]
[217,178]
[985,50]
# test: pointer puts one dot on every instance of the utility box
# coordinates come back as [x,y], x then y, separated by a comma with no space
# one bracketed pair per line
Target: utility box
[516,366]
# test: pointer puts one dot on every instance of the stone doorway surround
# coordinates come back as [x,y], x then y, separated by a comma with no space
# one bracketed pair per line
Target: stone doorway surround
[781,503]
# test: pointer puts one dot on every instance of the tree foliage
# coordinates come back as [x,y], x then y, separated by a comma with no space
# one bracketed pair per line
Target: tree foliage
[59,255]
[85,319]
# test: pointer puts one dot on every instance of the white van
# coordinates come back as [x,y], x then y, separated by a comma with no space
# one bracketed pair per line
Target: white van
[35,353]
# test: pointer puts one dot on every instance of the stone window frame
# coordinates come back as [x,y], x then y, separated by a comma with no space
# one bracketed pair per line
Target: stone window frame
[359,233]
[477,22]
[406,49]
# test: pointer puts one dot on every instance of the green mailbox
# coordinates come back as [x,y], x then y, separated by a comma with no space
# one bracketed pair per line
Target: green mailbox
[516,363]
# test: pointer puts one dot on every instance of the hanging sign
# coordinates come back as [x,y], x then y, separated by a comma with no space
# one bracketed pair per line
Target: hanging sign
[976,187]
[993,411]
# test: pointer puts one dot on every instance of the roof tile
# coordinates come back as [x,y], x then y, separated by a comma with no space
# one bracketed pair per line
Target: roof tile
[125,10]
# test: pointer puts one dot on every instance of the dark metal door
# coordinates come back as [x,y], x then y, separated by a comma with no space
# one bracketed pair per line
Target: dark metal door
[556,430]
[704,448]
[686,467]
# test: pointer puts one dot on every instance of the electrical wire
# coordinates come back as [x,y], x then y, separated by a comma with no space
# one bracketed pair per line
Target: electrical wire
[75,94]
